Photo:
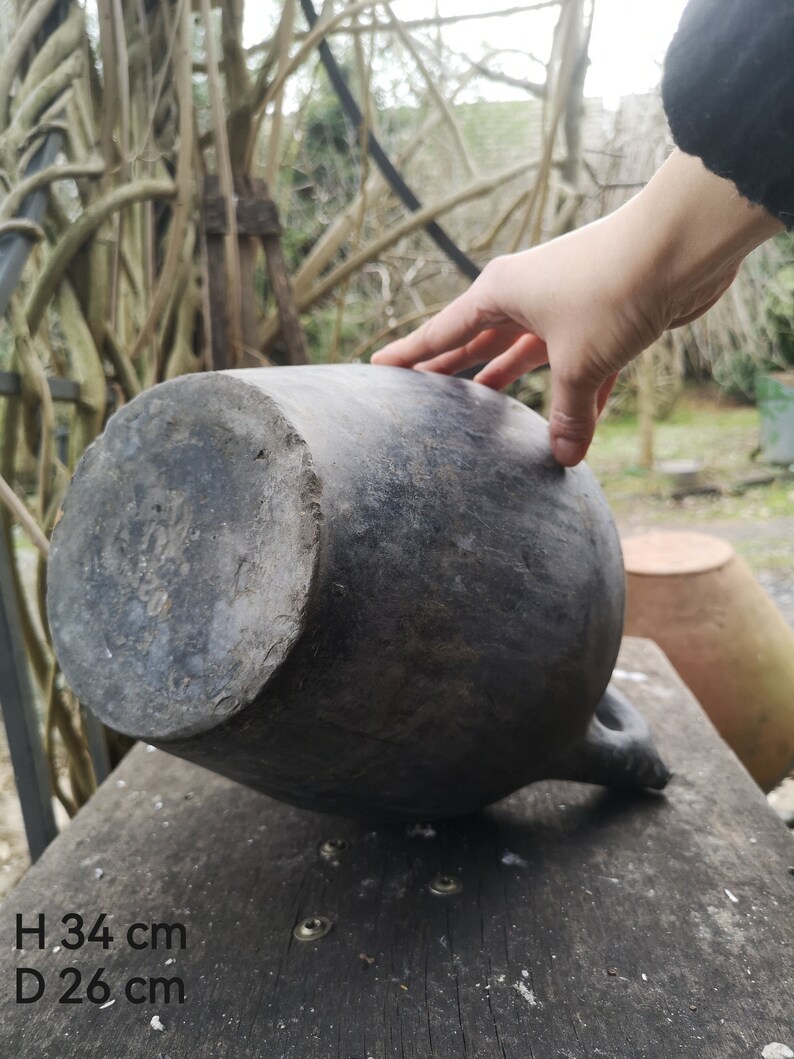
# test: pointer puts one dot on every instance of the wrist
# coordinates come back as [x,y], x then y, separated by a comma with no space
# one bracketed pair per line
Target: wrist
[694,224]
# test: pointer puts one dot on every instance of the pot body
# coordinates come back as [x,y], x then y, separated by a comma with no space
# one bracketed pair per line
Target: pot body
[701,603]
[360,589]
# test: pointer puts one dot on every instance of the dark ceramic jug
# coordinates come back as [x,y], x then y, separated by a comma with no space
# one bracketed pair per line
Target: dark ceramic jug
[358,589]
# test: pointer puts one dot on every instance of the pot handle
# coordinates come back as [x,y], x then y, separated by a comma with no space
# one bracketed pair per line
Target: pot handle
[617,749]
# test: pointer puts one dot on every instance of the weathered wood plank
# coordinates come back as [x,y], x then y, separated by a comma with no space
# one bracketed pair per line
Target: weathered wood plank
[686,896]
[218,302]
[291,330]
[256,216]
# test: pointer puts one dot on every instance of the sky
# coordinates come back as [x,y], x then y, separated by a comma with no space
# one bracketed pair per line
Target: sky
[628,44]
[626,50]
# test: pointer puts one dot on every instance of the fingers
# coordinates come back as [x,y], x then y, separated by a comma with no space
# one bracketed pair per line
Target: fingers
[574,409]
[526,353]
[453,362]
[489,343]
[476,327]
[604,390]
[458,324]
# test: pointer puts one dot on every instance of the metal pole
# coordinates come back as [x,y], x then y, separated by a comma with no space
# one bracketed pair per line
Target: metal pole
[21,722]
[15,246]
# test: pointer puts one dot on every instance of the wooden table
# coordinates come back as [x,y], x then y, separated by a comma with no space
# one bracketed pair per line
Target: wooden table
[589,923]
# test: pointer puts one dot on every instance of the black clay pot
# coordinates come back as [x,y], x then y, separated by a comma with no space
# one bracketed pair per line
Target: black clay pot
[358,589]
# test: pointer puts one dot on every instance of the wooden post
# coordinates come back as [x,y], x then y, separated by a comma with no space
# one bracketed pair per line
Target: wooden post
[216,226]
[256,218]
[291,330]
[248,251]
[645,409]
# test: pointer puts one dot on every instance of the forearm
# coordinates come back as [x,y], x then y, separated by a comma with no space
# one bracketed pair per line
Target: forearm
[688,226]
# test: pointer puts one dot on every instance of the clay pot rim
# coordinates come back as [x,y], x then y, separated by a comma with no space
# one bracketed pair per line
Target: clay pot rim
[675,553]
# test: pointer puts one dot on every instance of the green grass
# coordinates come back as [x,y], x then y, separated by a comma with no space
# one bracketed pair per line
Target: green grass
[723,438]
[759,520]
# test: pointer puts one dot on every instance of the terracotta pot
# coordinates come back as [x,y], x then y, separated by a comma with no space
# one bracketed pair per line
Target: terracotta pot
[358,589]
[692,594]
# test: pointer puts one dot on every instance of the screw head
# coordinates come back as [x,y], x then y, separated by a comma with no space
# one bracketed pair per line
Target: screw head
[445,885]
[312,928]
[332,847]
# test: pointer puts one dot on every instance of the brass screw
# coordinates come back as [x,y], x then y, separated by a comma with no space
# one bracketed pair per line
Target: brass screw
[312,929]
[445,885]
[332,847]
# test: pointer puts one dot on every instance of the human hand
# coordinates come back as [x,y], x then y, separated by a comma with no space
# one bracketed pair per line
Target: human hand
[590,301]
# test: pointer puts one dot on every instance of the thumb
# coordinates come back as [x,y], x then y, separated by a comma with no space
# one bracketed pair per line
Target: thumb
[572,420]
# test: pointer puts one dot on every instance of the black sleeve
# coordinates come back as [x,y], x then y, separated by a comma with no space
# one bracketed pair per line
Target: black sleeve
[728,90]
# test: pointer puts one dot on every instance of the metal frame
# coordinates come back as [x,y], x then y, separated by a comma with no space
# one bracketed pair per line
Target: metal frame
[15,247]
[60,389]
[17,702]
[21,722]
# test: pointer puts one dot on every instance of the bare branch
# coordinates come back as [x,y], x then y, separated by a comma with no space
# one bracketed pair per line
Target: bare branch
[566,53]
[431,22]
[20,512]
[24,227]
[122,365]
[183,179]
[12,204]
[409,224]
[22,40]
[32,142]
[535,88]
[323,25]
[430,82]
[75,237]
[41,97]
[238,81]
[110,93]
[395,325]
[58,46]
[226,180]
[486,242]
[284,39]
